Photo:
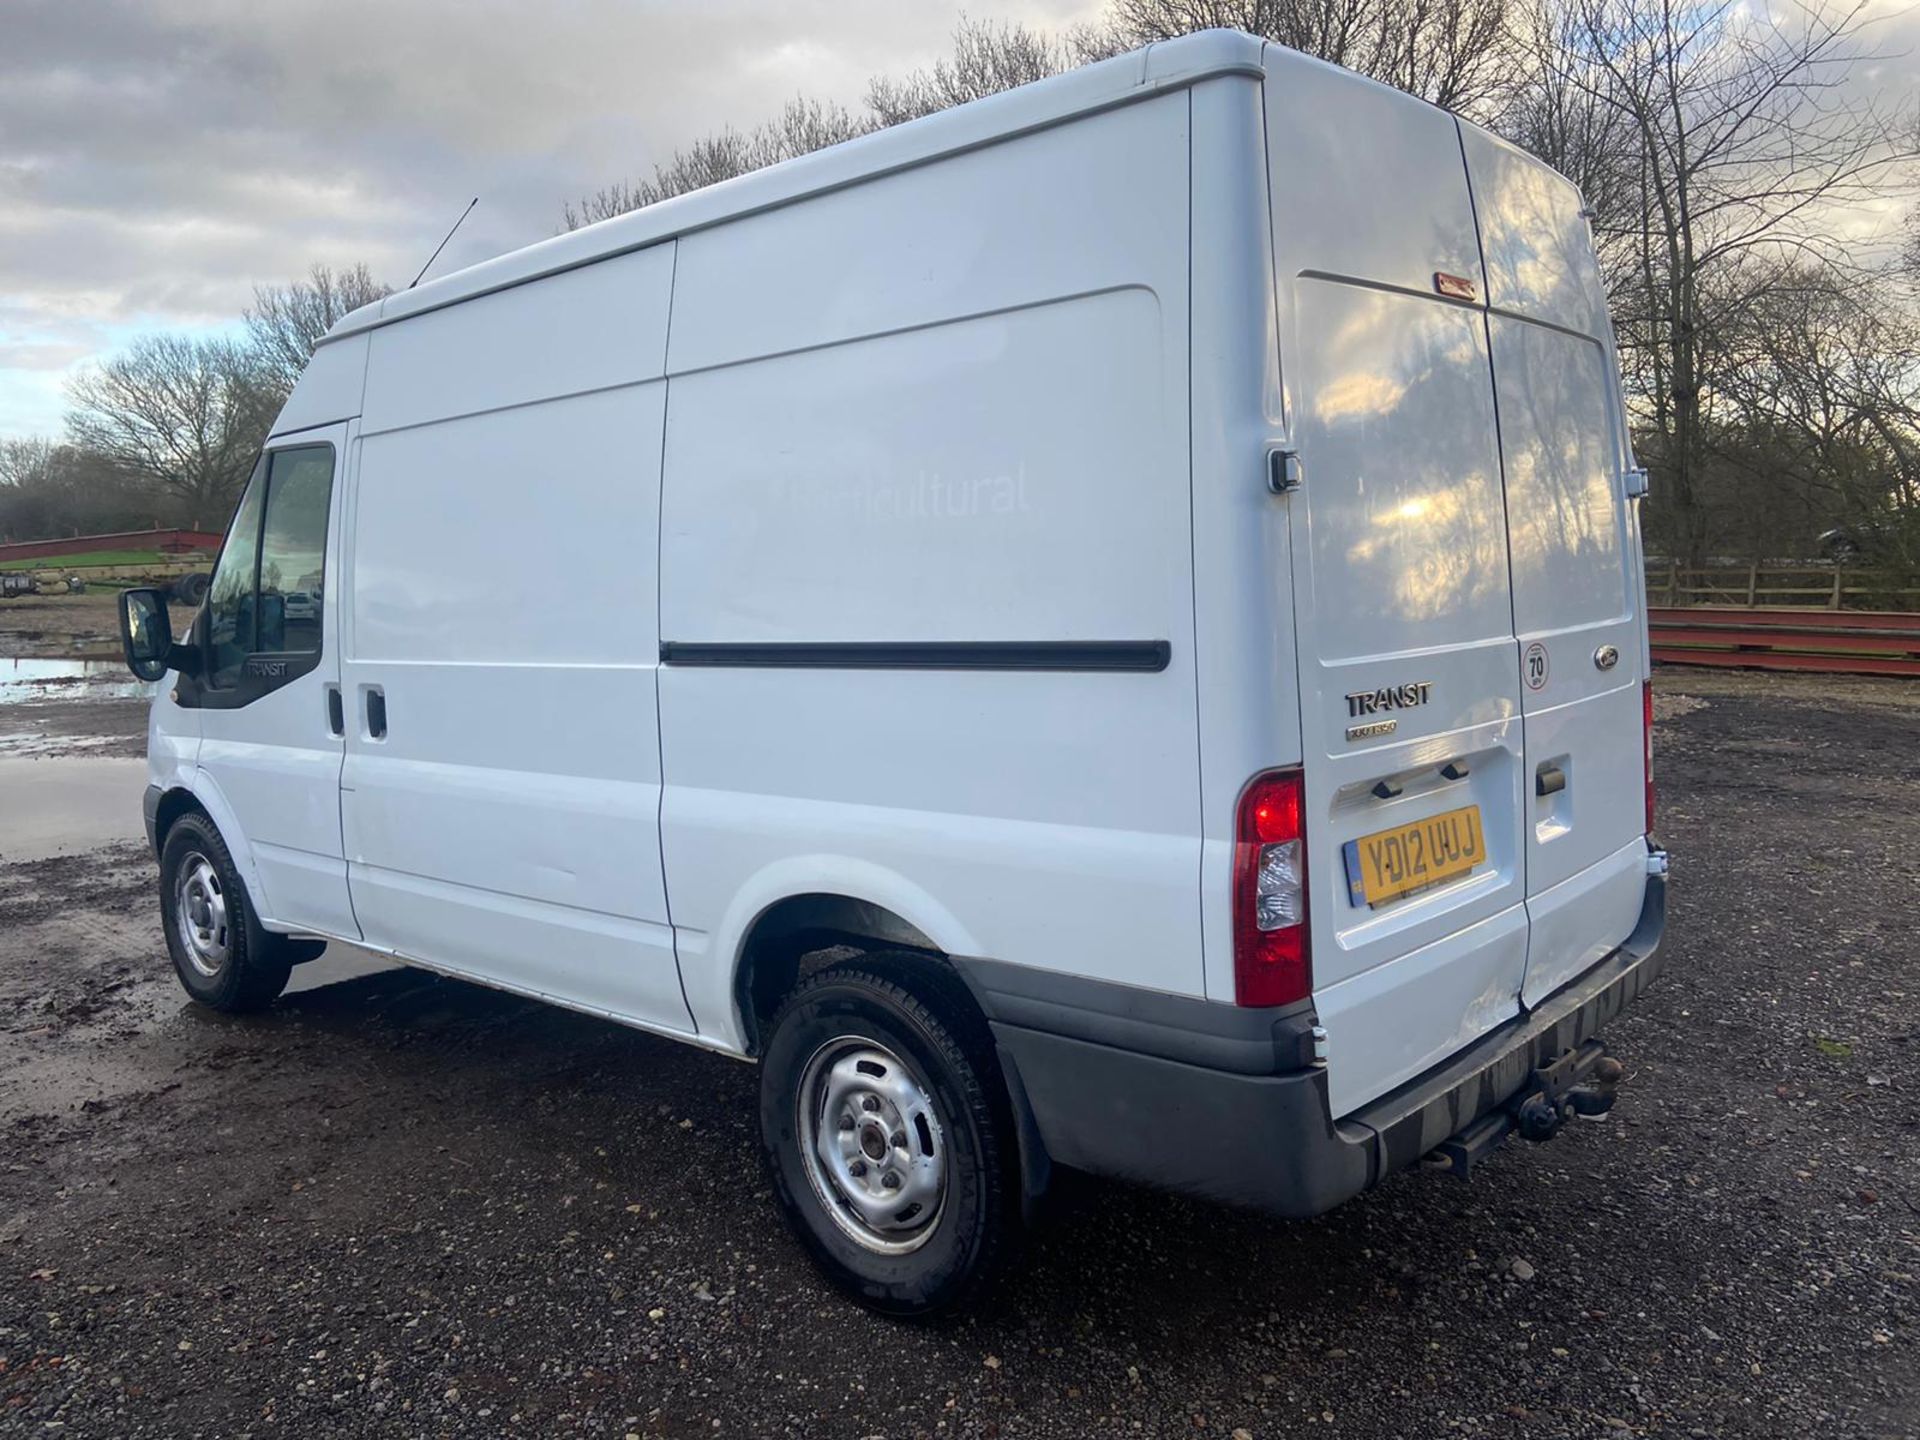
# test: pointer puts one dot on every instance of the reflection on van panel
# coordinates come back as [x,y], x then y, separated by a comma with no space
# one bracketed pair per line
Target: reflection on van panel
[894,618]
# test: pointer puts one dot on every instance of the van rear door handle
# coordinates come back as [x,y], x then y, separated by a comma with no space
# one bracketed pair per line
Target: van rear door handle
[336,712]
[376,712]
[1549,780]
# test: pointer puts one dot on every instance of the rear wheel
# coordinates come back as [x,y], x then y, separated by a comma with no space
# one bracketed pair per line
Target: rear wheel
[886,1133]
[222,956]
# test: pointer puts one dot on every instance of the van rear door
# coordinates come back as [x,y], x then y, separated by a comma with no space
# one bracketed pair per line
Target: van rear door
[1575,562]
[1407,670]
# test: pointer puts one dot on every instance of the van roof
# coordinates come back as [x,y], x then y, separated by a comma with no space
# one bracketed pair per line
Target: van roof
[1162,66]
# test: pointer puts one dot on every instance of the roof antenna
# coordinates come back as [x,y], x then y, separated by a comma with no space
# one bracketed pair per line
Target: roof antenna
[443,244]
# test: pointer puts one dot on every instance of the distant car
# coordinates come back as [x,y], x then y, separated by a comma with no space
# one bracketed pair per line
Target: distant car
[301,606]
[1859,544]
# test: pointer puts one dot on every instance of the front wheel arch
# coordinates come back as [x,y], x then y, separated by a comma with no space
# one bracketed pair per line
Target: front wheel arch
[175,803]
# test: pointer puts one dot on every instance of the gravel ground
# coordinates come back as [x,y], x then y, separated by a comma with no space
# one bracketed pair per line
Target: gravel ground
[404,1206]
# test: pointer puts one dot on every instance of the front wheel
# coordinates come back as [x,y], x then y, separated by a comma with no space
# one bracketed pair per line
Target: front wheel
[886,1132]
[222,955]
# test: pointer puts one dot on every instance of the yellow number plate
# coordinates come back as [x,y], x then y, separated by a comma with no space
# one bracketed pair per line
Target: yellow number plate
[1390,863]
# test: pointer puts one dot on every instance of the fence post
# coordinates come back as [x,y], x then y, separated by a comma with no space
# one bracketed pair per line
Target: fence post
[1673,583]
[1753,584]
[1834,603]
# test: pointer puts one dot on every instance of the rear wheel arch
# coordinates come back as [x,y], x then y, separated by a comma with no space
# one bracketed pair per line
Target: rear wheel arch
[801,934]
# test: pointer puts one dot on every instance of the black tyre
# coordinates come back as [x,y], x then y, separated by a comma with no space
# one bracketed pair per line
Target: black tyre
[191,589]
[887,1134]
[223,957]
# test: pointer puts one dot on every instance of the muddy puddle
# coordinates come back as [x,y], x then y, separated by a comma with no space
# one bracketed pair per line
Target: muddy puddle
[97,1020]
[59,707]
[27,680]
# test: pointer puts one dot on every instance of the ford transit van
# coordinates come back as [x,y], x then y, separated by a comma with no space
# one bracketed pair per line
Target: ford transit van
[1101,628]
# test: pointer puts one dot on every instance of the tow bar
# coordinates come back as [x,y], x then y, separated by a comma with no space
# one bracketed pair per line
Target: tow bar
[1581,1082]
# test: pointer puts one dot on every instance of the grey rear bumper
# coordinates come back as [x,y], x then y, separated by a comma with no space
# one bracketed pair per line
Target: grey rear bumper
[1209,1100]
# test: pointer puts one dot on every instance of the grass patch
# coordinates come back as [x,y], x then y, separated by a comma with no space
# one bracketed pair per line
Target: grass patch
[92,557]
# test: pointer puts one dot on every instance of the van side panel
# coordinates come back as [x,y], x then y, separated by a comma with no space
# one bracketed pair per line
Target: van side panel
[947,406]
[502,598]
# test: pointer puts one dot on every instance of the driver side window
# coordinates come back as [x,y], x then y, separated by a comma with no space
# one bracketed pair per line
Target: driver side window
[230,608]
[265,599]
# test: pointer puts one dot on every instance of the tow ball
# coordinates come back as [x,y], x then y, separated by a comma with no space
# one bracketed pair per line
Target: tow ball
[1544,1107]
[1584,1082]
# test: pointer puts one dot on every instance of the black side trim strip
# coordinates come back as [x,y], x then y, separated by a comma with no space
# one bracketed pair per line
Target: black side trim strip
[1134,655]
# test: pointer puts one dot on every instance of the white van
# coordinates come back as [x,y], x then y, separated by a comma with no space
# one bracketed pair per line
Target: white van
[1101,628]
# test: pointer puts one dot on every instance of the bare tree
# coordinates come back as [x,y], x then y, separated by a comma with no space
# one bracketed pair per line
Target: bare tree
[988,57]
[1557,110]
[1452,52]
[802,127]
[48,489]
[287,321]
[28,461]
[183,415]
[1828,374]
[1733,139]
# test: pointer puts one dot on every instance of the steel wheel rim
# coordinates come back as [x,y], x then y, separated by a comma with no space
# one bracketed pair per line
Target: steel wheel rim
[873,1146]
[200,915]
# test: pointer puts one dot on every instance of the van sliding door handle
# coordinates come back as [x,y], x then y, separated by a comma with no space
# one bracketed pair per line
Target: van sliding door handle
[376,713]
[336,712]
[1549,780]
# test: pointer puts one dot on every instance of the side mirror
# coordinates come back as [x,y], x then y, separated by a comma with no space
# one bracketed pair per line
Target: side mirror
[145,633]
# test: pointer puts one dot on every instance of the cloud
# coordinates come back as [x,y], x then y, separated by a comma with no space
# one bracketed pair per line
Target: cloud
[158,158]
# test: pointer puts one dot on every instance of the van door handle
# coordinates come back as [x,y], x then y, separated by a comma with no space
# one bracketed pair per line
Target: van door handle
[376,712]
[1549,780]
[336,712]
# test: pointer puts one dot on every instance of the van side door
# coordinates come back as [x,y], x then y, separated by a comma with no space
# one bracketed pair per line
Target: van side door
[501,792]
[268,691]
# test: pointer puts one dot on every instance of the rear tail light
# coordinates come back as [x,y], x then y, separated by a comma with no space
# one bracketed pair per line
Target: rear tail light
[1270,959]
[1646,745]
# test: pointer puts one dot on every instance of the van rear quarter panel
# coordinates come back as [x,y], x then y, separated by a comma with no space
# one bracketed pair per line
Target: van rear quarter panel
[947,405]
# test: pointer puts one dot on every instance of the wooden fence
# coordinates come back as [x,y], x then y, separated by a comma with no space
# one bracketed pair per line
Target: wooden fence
[1826,587]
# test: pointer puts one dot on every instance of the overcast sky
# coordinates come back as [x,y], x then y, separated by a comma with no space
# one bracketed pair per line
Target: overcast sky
[160,157]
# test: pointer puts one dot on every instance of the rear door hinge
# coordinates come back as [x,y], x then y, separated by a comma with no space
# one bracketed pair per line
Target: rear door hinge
[1637,482]
[1284,472]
